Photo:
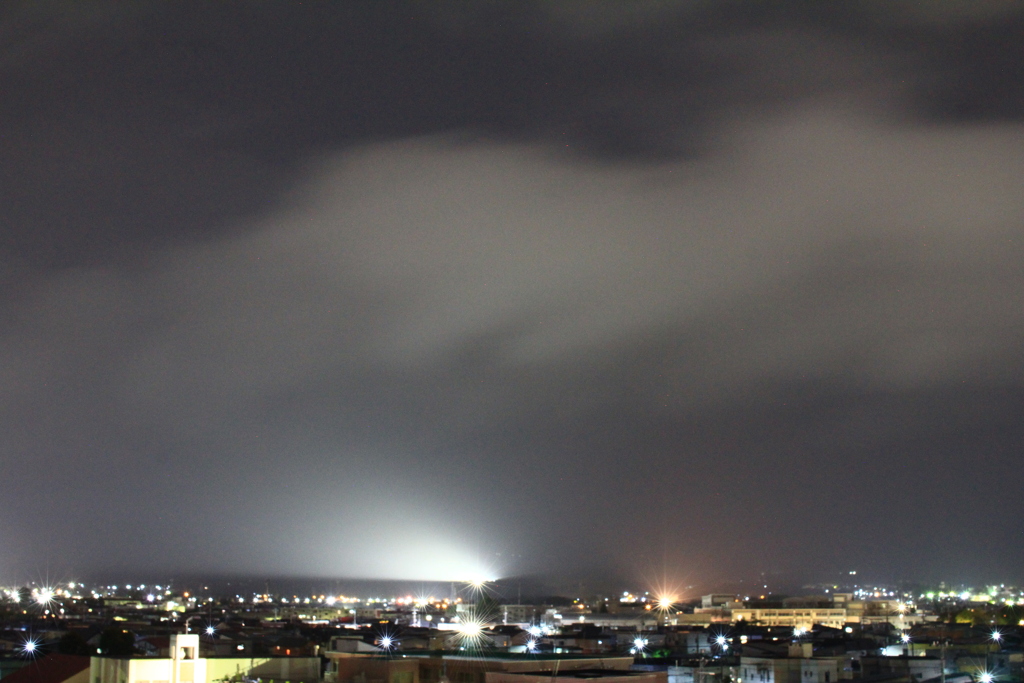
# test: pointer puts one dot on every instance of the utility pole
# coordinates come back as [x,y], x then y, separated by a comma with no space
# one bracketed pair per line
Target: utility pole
[943,661]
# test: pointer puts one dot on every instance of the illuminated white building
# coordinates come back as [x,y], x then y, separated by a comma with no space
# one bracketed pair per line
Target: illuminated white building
[186,666]
[800,617]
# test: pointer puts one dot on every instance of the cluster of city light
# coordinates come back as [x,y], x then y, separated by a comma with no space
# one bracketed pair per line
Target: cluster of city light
[639,646]
[628,598]
[150,596]
[1008,595]
[167,598]
[874,592]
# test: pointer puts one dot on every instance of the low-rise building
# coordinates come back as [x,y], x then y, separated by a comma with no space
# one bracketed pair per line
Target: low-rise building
[908,668]
[186,666]
[805,618]
[602,675]
[435,667]
[785,670]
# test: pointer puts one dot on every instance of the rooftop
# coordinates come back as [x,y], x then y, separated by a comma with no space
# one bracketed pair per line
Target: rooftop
[53,668]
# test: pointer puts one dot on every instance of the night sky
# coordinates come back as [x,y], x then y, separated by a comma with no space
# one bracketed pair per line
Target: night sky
[426,290]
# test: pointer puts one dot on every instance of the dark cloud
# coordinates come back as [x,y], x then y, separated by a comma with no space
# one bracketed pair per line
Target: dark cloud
[168,120]
[695,285]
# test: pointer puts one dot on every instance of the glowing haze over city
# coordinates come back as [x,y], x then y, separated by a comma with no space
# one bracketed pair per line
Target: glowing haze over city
[624,296]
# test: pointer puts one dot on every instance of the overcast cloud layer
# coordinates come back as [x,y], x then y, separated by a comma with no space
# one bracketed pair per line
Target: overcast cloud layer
[426,290]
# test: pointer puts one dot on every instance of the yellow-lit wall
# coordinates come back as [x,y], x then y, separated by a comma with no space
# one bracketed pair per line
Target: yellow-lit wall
[203,670]
[277,669]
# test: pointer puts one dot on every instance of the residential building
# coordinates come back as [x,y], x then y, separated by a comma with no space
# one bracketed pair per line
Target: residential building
[785,670]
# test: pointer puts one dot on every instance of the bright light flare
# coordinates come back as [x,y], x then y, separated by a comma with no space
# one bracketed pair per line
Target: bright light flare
[469,635]
[531,645]
[665,602]
[905,637]
[997,636]
[471,629]
[985,677]
[44,597]
[639,645]
[29,647]
[386,642]
[477,586]
[211,630]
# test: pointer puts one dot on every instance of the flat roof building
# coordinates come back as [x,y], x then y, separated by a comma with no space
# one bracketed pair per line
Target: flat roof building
[438,667]
[186,666]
